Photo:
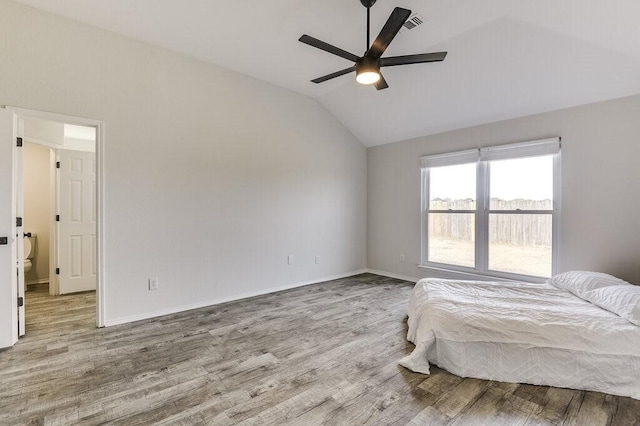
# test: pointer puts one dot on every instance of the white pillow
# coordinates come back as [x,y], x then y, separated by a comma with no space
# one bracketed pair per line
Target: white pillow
[580,282]
[621,300]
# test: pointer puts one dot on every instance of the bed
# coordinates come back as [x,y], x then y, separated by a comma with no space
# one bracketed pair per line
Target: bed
[579,330]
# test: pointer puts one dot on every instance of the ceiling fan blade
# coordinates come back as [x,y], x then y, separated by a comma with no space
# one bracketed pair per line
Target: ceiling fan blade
[389,31]
[412,59]
[381,84]
[333,75]
[319,44]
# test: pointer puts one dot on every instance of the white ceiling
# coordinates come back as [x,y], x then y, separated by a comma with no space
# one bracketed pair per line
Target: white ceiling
[507,58]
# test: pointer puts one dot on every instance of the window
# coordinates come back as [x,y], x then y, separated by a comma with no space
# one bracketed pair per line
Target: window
[492,211]
[452,214]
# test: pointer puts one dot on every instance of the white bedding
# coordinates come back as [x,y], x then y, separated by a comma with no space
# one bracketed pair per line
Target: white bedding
[523,333]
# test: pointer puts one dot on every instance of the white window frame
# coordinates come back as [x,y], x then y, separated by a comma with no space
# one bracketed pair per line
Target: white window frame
[483,157]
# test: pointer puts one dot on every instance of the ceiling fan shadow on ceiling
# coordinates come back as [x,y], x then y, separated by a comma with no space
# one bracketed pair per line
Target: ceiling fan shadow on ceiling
[367,67]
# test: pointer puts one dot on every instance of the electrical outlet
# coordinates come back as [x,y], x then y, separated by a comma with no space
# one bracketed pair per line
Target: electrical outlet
[290,259]
[402,258]
[317,260]
[153,283]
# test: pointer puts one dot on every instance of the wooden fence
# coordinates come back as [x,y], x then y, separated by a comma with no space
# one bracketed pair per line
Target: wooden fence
[515,229]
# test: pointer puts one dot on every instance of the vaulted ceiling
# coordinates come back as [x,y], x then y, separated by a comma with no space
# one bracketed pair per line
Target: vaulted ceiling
[507,58]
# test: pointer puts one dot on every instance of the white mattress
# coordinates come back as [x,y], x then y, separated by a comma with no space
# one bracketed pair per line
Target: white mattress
[522,333]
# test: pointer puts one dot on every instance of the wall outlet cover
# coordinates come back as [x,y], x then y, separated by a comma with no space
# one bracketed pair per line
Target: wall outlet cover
[153,283]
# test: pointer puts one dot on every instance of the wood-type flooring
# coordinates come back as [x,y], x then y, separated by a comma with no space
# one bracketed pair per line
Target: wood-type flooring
[324,354]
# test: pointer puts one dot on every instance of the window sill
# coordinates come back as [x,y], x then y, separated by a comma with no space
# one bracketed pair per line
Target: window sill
[473,274]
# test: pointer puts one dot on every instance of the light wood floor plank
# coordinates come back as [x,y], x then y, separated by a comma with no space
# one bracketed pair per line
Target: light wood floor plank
[324,354]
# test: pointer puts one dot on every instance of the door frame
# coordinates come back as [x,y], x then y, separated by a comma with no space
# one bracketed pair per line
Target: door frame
[18,211]
[99,125]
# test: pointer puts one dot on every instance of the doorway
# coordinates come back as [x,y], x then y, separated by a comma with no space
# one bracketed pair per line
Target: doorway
[59,215]
[58,196]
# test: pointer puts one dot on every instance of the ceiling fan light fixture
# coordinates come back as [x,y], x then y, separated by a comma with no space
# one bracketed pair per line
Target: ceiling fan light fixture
[367,70]
[367,77]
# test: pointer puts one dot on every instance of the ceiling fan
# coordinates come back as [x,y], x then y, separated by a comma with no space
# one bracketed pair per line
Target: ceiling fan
[368,66]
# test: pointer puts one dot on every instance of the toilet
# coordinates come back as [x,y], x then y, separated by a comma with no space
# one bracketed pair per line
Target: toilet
[29,243]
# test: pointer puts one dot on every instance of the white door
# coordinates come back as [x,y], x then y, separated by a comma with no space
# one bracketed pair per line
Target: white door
[8,246]
[77,260]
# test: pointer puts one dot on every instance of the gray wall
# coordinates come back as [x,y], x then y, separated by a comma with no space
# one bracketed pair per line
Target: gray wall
[211,178]
[600,223]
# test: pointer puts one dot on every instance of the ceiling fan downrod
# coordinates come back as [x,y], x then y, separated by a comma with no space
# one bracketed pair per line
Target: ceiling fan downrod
[368,4]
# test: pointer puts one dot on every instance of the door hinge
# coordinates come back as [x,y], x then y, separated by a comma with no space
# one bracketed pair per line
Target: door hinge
[57,164]
[18,222]
[57,218]
[57,271]
[18,141]
[20,302]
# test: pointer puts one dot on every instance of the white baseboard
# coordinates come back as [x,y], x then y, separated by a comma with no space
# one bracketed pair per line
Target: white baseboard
[204,304]
[392,275]
[40,281]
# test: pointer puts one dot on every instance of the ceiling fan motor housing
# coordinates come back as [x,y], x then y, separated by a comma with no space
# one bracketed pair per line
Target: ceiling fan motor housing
[367,64]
